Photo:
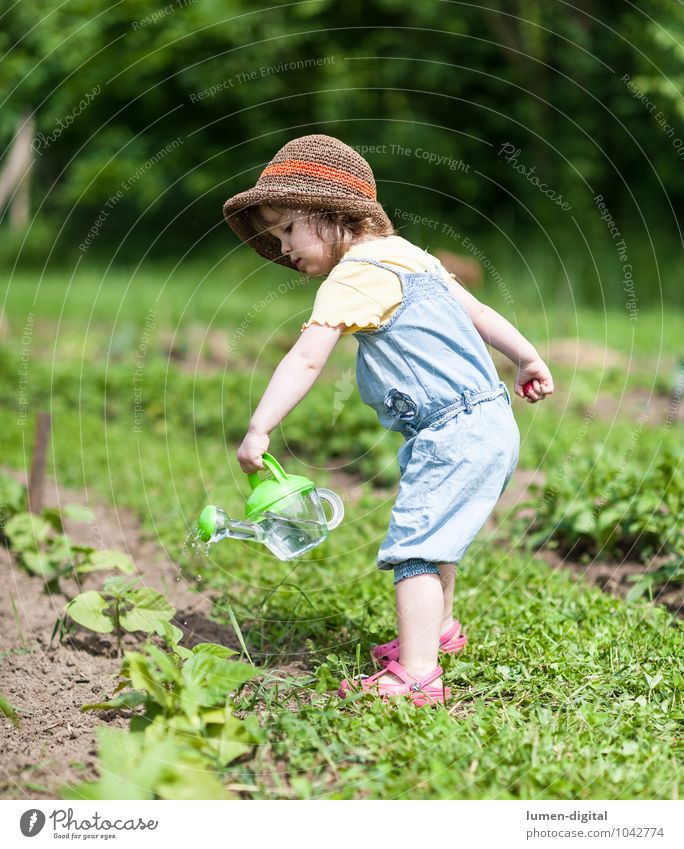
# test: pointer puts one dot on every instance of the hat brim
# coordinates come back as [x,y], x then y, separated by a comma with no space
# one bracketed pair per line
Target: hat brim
[236,213]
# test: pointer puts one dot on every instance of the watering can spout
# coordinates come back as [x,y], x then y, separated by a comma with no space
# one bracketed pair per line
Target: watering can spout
[214,525]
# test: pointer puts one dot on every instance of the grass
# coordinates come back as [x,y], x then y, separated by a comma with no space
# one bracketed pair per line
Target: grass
[562,691]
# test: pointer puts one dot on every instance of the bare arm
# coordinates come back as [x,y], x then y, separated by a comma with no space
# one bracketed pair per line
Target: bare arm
[293,378]
[500,334]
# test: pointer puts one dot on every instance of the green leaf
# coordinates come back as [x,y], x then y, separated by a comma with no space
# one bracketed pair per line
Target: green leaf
[143,676]
[186,784]
[165,663]
[108,559]
[82,549]
[213,648]
[653,680]
[214,716]
[12,497]
[7,709]
[170,633]
[39,564]
[215,677]
[236,628]
[131,699]
[54,518]
[182,652]
[608,518]
[138,767]
[78,512]
[24,530]
[149,609]
[88,610]
[119,586]
[584,522]
[640,587]
[129,770]
[227,749]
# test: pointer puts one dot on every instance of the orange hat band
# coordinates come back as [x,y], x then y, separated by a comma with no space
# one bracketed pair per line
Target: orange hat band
[316,169]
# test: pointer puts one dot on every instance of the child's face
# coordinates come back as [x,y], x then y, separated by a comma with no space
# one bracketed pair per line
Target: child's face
[298,240]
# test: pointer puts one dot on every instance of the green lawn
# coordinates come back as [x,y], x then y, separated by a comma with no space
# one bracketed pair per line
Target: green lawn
[562,691]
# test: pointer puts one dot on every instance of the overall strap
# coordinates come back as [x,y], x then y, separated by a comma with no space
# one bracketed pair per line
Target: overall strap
[399,274]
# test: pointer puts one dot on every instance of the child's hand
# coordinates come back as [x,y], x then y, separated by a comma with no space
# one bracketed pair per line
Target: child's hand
[536,374]
[250,452]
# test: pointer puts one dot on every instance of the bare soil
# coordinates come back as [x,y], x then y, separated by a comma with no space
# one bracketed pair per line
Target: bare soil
[48,684]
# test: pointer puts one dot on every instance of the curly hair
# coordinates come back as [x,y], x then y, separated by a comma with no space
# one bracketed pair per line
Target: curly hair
[339,229]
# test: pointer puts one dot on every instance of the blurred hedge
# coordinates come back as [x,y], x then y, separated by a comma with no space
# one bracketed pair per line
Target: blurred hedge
[575,90]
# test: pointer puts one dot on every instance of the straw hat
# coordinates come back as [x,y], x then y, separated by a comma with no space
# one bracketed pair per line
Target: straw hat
[317,173]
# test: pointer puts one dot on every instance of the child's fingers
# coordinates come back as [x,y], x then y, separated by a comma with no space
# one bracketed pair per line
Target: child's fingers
[250,468]
[250,461]
[532,391]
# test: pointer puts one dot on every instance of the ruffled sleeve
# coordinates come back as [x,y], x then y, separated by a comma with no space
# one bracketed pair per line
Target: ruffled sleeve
[358,295]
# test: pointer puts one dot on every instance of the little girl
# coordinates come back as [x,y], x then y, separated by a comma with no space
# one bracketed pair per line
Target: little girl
[422,365]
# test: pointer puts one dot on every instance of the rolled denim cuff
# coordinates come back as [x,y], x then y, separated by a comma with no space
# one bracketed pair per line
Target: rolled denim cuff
[415,566]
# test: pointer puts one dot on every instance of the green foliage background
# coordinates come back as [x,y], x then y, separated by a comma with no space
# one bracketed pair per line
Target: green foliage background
[452,79]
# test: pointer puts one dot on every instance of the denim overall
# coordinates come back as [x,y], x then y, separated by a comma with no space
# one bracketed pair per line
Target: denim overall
[427,374]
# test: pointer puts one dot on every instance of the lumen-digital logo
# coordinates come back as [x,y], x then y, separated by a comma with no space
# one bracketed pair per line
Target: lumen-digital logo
[32,822]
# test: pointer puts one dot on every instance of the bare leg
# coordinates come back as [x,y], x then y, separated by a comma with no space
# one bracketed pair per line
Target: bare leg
[447,574]
[420,609]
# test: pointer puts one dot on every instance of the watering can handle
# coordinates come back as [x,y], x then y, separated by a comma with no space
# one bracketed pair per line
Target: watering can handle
[335,502]
[273,466]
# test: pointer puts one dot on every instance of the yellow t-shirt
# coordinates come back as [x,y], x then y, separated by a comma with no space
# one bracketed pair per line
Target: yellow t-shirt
[363,296]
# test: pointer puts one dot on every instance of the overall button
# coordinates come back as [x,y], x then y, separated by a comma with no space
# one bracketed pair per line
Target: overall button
[400,405]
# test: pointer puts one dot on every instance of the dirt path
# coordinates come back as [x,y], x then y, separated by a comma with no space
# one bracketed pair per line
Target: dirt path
[47,685]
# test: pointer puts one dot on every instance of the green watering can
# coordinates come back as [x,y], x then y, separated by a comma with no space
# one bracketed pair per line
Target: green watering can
[286,511]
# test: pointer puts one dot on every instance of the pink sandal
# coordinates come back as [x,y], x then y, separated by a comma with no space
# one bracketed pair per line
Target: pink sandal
[451,641]
[418,690]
